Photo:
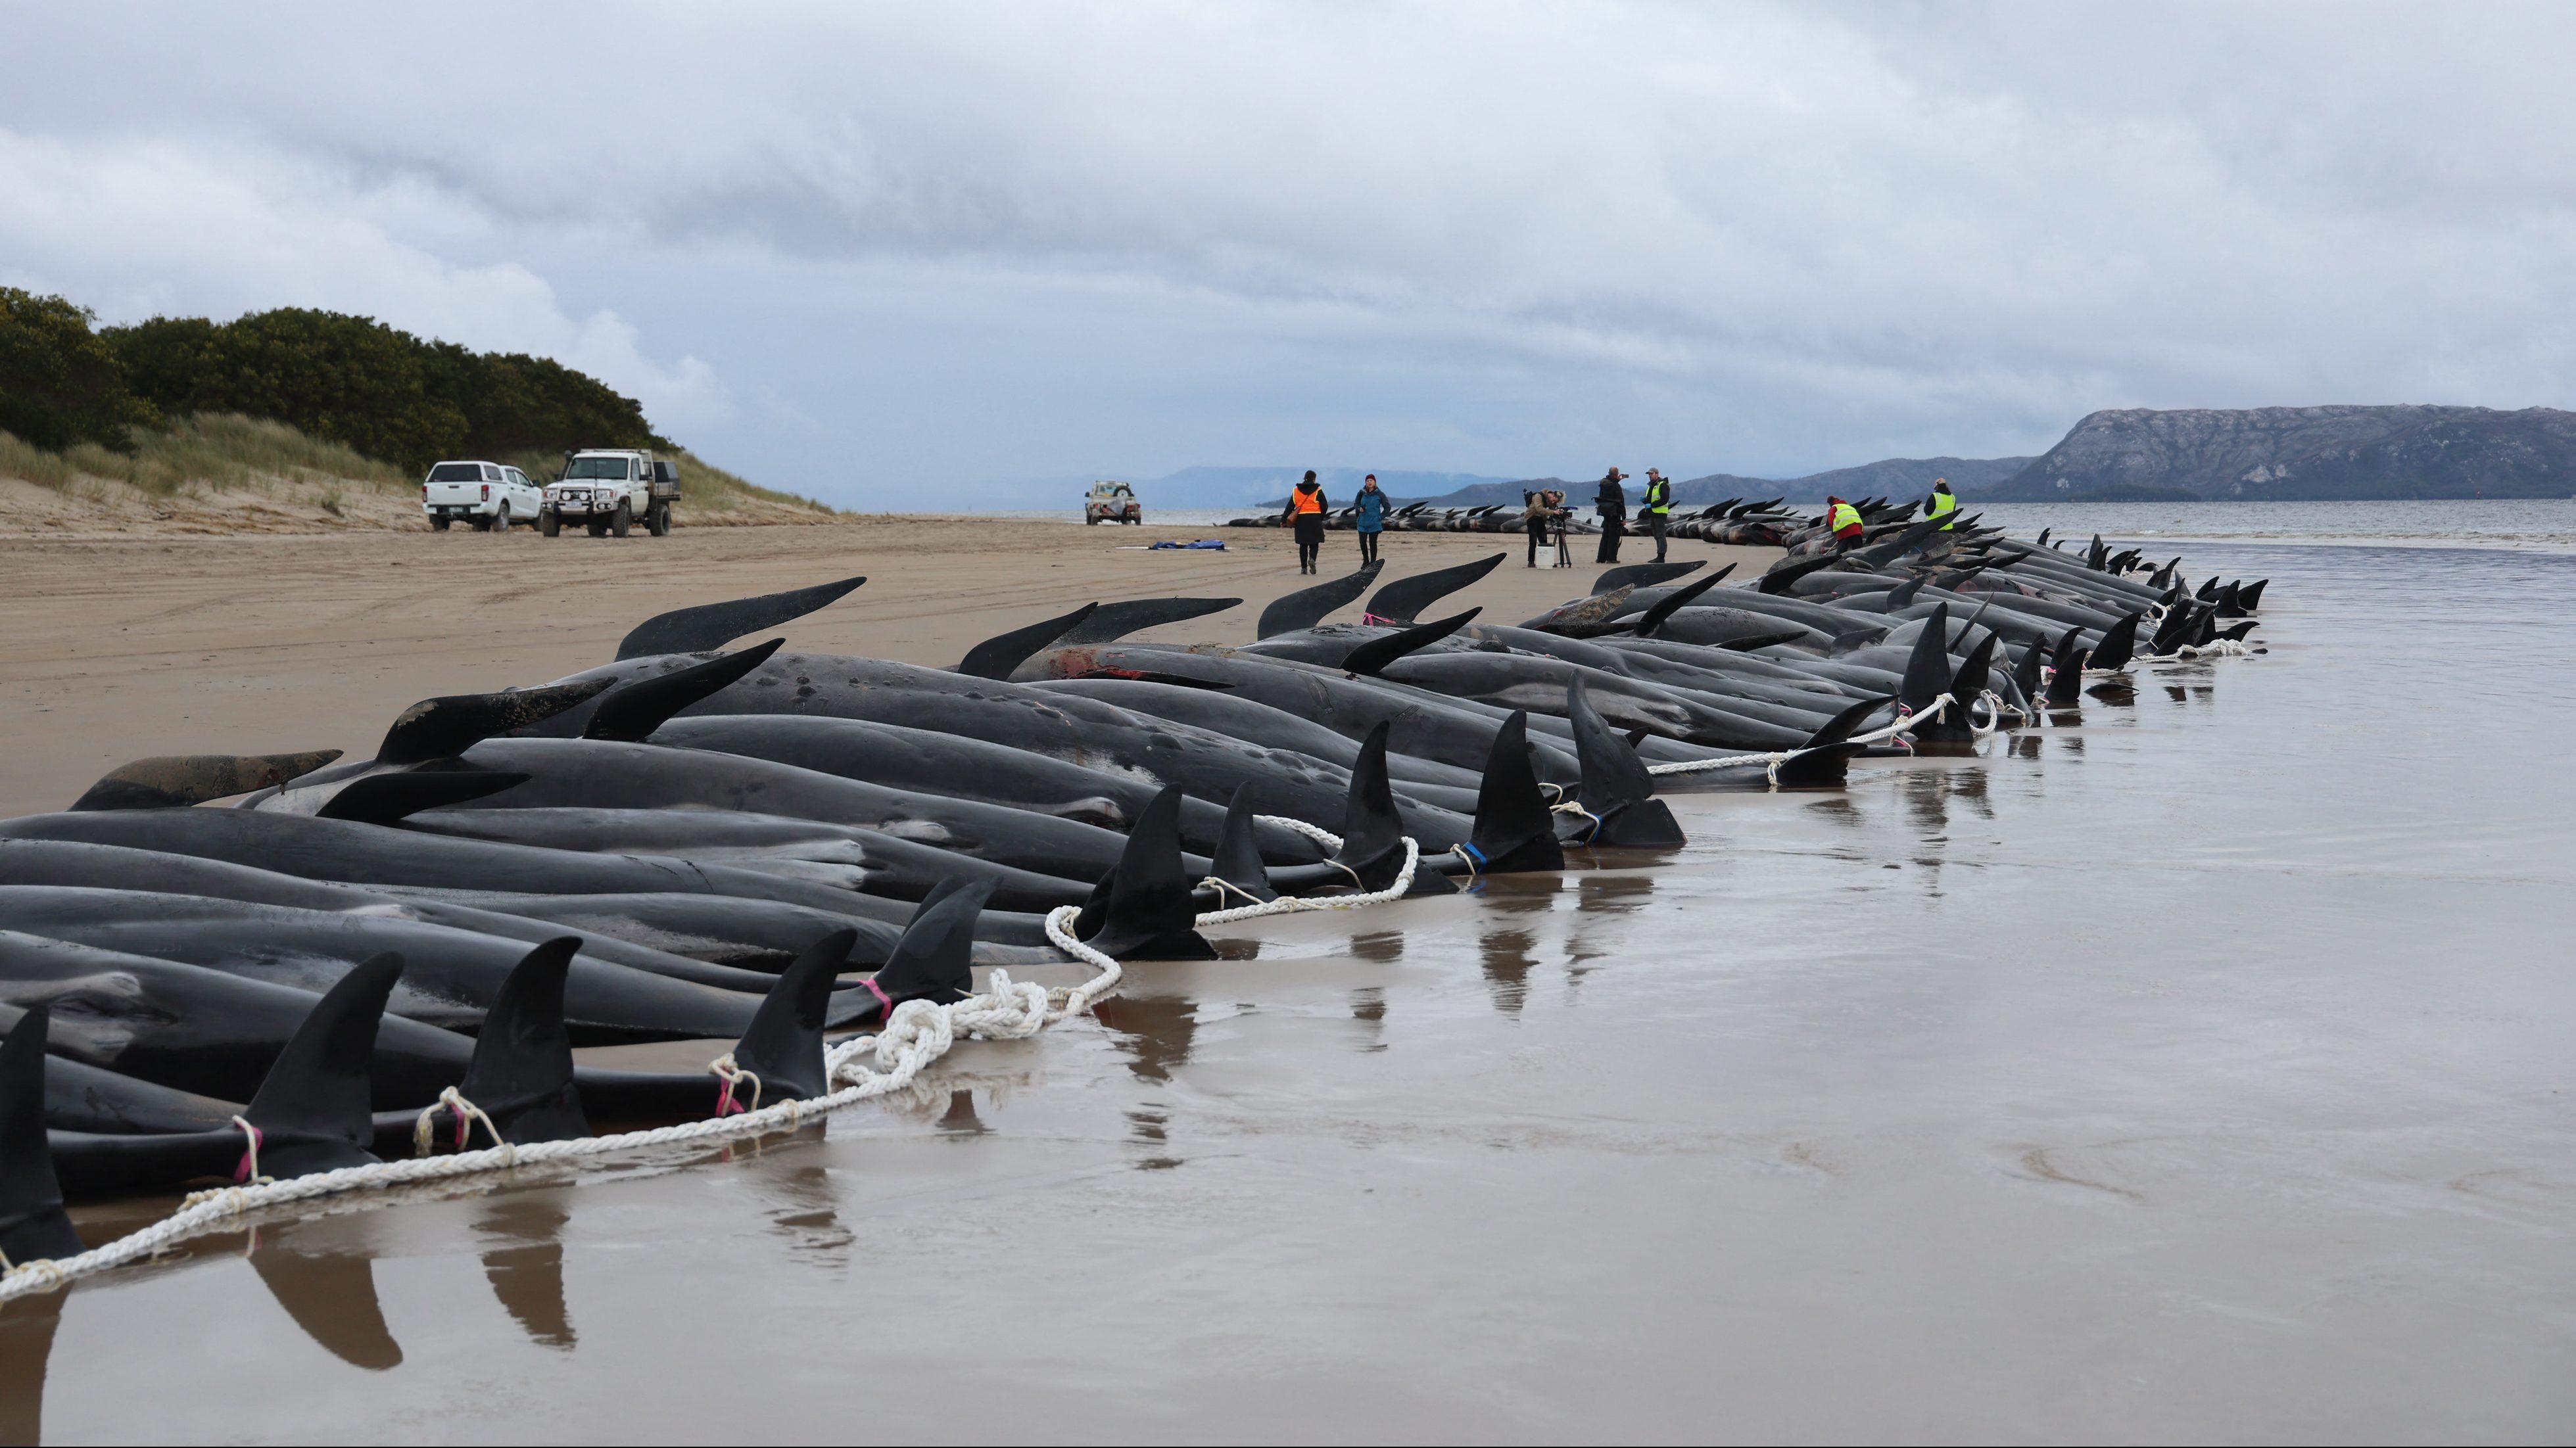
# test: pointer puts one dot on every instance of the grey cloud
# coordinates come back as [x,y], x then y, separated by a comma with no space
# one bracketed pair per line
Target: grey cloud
[1038,238]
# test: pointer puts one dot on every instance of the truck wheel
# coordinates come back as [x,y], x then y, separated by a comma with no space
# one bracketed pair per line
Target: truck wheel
[1088,521]
[625,518]
[501,520]
[439,523]
[548,525]
[657,520]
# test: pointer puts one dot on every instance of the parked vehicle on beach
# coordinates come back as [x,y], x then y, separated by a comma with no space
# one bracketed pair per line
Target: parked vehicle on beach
[1114,503]
[485,495]
[608,490]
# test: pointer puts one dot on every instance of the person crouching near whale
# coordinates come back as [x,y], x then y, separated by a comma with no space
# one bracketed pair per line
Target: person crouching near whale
[1844,520]
[1305,512]
[1370,521]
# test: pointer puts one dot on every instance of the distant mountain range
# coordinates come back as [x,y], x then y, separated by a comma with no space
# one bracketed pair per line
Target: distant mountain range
[2402,451]
[2306,453]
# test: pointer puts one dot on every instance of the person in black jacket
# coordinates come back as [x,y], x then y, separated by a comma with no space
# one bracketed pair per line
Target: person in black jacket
[1613,505]
[1305,512]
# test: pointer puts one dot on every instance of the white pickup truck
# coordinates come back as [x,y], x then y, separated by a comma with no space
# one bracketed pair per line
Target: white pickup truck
[607,490]
[486,495]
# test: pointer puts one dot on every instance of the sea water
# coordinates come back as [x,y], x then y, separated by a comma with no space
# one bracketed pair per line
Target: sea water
[2201,1069]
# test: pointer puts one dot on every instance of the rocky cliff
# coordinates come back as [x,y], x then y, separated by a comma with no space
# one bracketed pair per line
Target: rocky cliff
[2306,453]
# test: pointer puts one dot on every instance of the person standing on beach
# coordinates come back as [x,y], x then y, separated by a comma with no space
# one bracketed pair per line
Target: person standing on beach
[1657,508]
[1535,513]
[1371,518]
[1305,512]
[1612,501]
[1944,505]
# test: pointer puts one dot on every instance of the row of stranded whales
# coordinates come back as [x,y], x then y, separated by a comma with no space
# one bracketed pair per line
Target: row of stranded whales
[216,967]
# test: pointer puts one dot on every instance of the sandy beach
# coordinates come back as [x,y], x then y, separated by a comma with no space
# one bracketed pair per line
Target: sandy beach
[112,649]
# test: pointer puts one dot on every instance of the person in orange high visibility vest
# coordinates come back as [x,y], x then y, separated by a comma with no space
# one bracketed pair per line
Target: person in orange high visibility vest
[1844,520]
[1305,512]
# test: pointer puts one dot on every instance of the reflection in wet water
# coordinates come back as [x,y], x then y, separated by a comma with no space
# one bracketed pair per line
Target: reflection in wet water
[1835,810]
[1155,1031]
[1507,963]
[1368,1007]
[26,1343]
[1382,946]
[331,1295]
[527,1273]
[960,1115]
[805,1207]
[1613,894]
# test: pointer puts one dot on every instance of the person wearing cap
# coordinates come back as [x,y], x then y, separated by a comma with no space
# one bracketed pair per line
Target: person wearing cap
[1844,520]
[1657,508]
[1943,506]
[1612,503]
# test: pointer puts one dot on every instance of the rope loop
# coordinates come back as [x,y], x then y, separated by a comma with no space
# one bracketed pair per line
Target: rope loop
[725,1070]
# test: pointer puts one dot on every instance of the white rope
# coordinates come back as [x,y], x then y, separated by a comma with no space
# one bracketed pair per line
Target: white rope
[914,1035]
[1906,723]
[2214,649]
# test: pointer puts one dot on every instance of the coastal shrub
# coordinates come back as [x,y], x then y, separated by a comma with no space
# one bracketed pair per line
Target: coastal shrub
[59,380]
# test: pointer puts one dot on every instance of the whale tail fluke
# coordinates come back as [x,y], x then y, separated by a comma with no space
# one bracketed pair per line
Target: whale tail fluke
[1144,907]
[1115,621]
[313,1108]
[630,714]
[1615,788]
[33,1224]
[1515,830]
[711,626]
[521,1071]
[170,780]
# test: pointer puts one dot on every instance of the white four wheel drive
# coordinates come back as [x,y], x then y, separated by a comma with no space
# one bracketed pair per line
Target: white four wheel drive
[486,495]
[608,490]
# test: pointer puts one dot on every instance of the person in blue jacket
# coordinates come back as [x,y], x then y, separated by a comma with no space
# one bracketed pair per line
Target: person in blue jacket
[1371,519]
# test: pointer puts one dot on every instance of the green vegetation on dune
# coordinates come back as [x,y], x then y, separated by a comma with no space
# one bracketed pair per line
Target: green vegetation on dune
[175,403]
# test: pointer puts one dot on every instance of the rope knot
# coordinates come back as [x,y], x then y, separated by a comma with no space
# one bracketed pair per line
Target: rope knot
[726,1071]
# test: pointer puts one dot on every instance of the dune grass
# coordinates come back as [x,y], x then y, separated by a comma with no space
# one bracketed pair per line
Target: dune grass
[209,451]
[215,451]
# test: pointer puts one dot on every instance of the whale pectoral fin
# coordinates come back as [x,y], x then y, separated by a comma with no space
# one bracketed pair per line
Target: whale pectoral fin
[1680,598]
[521,1072]
[711,626]
[168,780]
[33,1224]
[383,799]
[630,714]
[1404,600]
[1376,654]
[453,723]
[312,1109]
[997,657]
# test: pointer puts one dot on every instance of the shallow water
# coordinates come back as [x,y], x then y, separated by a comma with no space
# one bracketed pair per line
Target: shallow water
[2200,1072]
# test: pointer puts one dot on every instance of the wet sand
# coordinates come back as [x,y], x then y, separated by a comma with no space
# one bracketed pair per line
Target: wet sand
[2197,1073]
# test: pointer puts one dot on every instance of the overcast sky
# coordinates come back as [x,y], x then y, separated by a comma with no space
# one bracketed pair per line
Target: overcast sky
[873,251]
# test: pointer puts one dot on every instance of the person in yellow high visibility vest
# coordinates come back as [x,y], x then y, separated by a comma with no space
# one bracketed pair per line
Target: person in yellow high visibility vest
[1943,506]
[1658,507]
[1844,520]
